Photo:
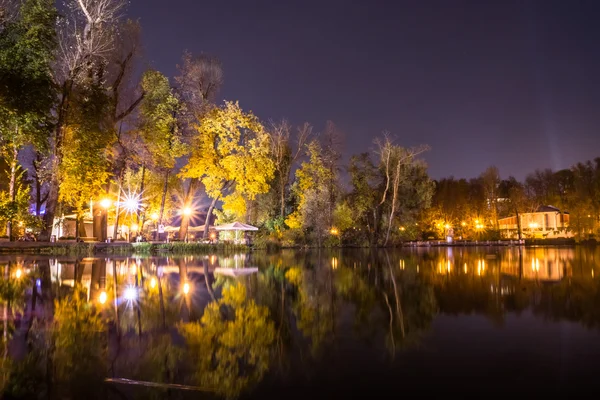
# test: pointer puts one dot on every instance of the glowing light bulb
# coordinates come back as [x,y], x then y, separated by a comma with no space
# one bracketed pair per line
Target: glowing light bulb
[105,203]
[130,293]
[153,282]
[18,273]
[102,298]
[186,288]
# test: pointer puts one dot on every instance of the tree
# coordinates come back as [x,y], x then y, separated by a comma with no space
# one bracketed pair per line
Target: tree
[490,180]
[397,165]
[313,192]
[27,94]
[365,180]
[231,158]
[85,167]
[284,155]
[198,82]
[158,128]
[87,38]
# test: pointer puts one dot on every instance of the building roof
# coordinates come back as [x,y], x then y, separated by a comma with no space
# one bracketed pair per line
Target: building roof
[547,208]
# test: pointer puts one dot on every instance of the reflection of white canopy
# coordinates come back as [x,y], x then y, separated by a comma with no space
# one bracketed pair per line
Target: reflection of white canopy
[236,226]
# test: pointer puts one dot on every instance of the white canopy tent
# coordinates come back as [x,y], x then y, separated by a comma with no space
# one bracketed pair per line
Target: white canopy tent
[236,227]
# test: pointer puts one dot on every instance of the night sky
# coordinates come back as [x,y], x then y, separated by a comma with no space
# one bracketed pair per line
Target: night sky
[510,83]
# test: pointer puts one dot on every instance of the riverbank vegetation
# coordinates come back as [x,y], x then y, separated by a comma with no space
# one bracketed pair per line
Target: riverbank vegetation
[83,132]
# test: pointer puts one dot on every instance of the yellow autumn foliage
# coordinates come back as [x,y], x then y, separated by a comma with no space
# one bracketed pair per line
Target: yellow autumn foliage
[230,157]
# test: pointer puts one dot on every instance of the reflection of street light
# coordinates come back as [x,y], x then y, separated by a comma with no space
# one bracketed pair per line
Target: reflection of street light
[130,293]
[102,298]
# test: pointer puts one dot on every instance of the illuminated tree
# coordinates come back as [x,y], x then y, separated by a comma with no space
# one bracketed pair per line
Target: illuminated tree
[85,167]
[87,36]
[407,186]
[199,80]
[27,93]
[230,156]
[313,192]
[158,128]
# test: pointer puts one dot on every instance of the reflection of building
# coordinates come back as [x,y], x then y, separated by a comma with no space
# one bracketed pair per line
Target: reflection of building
[544,264]
[546,222]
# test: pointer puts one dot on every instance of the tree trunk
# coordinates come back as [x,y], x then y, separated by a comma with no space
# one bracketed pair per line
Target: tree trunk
[163,199]
[12,189]
[187,203]
[39,198]
[5,314]
[394,197]
[117,211]
[208,215]
[282,194]
[139,211]
[53,185]
[518,224]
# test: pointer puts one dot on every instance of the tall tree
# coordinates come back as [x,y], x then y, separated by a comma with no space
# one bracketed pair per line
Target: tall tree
[159,129]
[230,156]
[284,155]
[27,94]
[398,166]
[491,179]
[87,38]
[199,80]
[312,188]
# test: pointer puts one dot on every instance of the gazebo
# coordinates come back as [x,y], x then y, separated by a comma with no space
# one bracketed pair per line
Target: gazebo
[236,227]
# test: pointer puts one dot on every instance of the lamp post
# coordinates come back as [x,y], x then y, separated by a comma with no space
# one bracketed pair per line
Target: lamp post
[154,217]
[187,211]
[100,220]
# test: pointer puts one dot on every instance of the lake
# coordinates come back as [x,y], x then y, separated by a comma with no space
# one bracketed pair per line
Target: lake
[470,321]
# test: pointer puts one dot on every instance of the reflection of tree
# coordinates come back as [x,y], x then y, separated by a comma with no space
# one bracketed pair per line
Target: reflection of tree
[313,306]
[574,299]
[78,345]
[410,304]
[230,347]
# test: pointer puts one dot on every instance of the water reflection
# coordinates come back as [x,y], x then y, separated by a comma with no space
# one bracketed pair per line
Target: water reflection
[225,324]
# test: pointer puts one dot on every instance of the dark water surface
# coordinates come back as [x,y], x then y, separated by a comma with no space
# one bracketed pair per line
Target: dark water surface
[472,322]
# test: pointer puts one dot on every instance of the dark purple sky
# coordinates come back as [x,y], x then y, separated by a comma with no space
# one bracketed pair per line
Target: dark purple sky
[515,83]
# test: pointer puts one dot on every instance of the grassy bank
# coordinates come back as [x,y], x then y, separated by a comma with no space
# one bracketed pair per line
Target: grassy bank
[89,249]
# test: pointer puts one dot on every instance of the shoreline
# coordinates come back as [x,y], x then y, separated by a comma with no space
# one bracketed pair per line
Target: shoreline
[93,248]
[124,248]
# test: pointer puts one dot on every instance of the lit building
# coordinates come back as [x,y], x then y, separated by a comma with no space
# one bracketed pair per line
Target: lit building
[546,222]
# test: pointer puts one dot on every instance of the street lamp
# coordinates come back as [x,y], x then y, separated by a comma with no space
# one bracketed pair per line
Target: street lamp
[105,203]
[102,298]
[186,288]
